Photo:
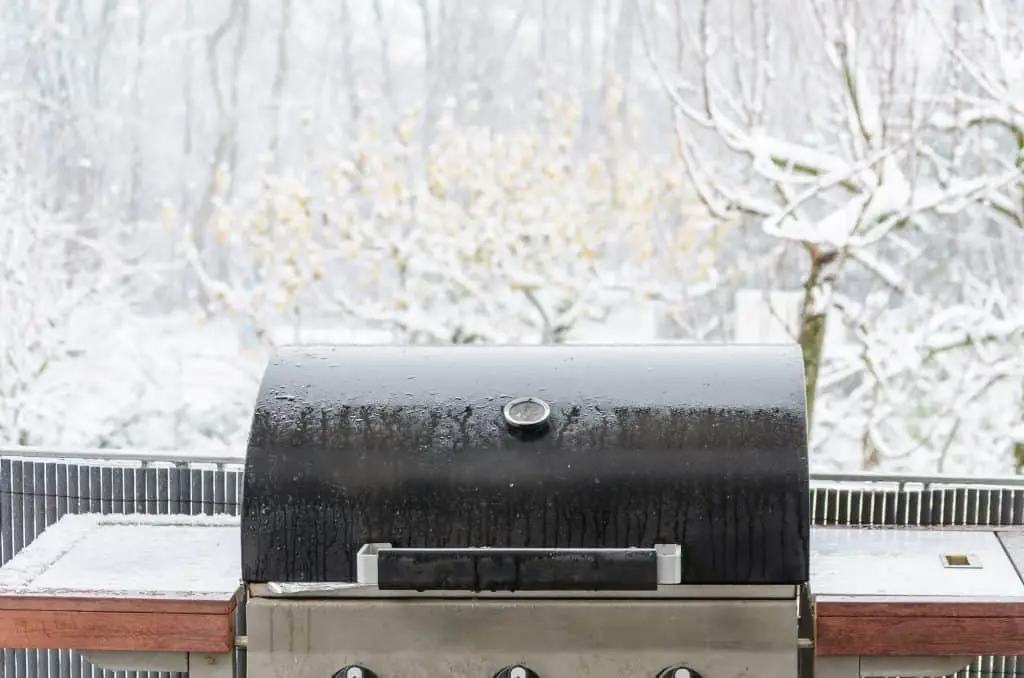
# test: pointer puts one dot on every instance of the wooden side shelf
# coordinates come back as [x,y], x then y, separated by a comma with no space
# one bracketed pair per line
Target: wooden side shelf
[893,592]
[132,625]
[124,583]
[918,629]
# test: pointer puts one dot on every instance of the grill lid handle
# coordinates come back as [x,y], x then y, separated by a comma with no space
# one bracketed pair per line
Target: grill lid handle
[518,569]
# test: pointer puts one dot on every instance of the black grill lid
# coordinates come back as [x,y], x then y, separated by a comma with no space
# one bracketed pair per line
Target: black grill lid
[587,447]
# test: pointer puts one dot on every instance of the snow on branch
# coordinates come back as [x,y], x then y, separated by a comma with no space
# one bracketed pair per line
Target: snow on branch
[53,273]
[858,163]
[480,236]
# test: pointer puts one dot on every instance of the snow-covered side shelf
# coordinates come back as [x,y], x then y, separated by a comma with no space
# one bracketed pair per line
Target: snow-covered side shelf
[138,584]
[894,593]
[168,556]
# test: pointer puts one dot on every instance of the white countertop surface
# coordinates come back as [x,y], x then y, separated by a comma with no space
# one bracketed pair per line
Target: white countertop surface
[134,556]
[907,563]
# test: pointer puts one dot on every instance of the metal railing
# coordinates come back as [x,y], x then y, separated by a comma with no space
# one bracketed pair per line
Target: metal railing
[132,456]
[39,486]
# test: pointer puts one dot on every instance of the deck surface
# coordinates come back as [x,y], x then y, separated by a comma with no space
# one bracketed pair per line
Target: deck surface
[153,583]
[889,592]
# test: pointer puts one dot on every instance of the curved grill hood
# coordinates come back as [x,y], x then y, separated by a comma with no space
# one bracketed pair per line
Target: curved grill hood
[701,446]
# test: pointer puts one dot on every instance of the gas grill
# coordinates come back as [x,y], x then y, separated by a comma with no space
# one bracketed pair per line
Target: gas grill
[513,511]
[521,512]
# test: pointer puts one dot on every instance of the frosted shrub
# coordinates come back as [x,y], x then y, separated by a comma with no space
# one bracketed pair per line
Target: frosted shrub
[479,235]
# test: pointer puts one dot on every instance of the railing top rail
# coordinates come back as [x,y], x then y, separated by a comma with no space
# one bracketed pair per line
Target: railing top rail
[121,455]
[132,455]
[925,479]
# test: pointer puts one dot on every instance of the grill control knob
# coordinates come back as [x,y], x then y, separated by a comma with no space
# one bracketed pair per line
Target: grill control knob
[679,672]
[354,671]
[515,671]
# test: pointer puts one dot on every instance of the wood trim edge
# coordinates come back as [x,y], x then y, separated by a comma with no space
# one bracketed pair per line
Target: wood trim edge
[917,609]
[122,631]
[918,636]
[134,605]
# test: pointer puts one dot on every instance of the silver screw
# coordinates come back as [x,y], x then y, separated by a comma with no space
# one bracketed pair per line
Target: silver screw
[682,673]
[517,672]
[356,672]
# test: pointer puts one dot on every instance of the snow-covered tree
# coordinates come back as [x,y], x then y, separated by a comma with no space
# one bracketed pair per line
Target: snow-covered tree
[507,171]
[986,118]
[859,161]
[48,269]
[480,235]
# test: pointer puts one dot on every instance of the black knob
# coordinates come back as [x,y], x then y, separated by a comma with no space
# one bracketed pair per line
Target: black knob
[516,671]
[679,672]
[354,671]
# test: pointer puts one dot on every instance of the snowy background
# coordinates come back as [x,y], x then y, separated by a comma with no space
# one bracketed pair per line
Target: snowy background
[184,185]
